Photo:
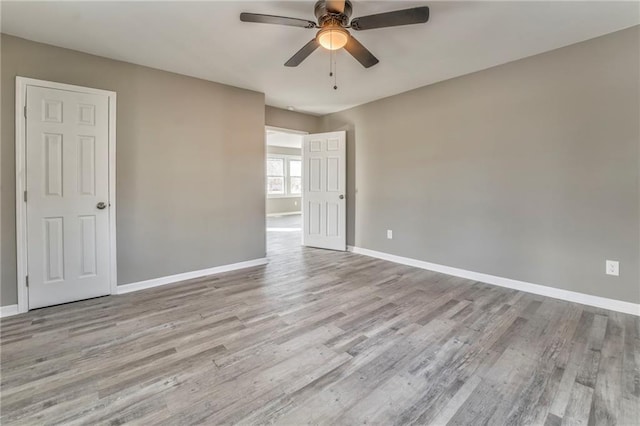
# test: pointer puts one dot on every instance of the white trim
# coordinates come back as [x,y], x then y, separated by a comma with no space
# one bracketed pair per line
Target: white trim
[9,310]
[113,252]
[21,184]
[285,156]
[283,214]
[556,293]
[21,175]
[283,130]
[156,282]
[275,197]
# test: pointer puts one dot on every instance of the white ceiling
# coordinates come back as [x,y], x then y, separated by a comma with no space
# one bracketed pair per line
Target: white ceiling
[207,40]
[285,140]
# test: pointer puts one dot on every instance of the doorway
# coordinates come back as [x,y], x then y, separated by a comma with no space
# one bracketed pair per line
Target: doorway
[305,190]
[65,181]
[284,186]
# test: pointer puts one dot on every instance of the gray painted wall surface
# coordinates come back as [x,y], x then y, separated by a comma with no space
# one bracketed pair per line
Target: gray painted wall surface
[284,205]
[528,170]
[292,120]
[190,163]
[289,204]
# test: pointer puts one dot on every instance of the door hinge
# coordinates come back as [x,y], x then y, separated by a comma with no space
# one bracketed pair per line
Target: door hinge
[25,111]
[27,280]
[25,196]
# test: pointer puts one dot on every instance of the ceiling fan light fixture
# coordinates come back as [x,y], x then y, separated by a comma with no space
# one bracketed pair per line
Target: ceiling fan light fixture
[333,38]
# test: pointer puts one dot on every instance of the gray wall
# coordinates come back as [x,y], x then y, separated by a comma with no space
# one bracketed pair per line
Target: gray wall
[284,205]
[289,204]
[190,163]
[529,170]
[292,120]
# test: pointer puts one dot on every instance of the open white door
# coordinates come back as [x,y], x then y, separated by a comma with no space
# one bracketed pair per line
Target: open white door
[324,204]
[67,195]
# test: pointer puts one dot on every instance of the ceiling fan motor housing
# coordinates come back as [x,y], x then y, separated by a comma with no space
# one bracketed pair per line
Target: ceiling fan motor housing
[326,18]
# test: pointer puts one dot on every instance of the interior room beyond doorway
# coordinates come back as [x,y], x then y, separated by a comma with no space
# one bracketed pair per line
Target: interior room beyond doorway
[284,188]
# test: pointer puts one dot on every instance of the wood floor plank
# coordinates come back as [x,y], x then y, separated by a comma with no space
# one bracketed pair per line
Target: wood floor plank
[579,406]
[321,337]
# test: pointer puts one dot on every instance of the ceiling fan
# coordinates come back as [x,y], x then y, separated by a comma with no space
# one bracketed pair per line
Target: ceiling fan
[333,21]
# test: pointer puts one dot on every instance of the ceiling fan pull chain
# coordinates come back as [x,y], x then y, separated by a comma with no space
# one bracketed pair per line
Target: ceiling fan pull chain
[332,58]
[331,53]
[335,73]
[332,68]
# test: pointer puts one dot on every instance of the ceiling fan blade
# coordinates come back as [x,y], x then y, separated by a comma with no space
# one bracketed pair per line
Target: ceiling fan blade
[278,20]
[335,6]
[302,54]
[417,15]
[360,52]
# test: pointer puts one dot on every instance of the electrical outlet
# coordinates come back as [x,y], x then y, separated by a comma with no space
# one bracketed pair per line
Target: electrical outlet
[613,267]
[389,234]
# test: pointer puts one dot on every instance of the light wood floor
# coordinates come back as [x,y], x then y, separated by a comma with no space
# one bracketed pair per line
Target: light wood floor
[324,338]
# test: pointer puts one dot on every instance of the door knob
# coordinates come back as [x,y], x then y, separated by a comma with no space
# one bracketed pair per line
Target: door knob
[101,205]
[341,197]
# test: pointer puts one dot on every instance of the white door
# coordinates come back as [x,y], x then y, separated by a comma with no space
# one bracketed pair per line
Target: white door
[67,177]
[325,182]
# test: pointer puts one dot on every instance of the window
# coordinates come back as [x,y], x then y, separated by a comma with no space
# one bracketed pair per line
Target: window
[284,176]
[295,177]
[275,176]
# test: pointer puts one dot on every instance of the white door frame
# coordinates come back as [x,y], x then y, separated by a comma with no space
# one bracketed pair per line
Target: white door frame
[21,180]
[284,130]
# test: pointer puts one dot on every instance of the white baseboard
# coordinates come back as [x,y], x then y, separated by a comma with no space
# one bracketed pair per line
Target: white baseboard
[556,293]
[283,214]
[9,310]
[155,282]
